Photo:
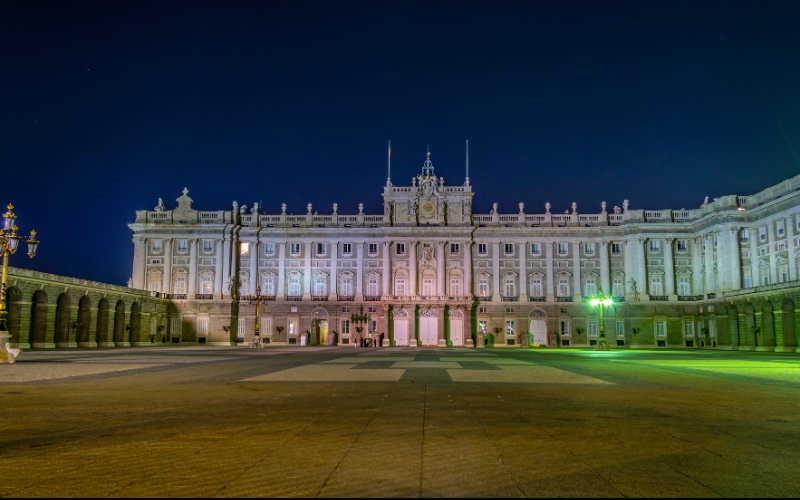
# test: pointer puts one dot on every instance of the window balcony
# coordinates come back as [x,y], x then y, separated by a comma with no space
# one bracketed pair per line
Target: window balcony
[484,299]
[268,298]
[536,299]
[178,296]
[346,298]
[510,299]
[294,298]
[204,296]
[658,298]
[711,296]
[563,299]
[689,298]
[372,298]
[319,298]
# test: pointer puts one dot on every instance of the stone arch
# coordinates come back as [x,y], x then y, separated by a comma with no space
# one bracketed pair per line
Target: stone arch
[456,313]
[400,313]
[38,331]
[428,313]
[14,298]
[537,313]
[319,313]
[768,324]
[733,315]
[63,305]
[136,321]
[84,321]
[101,332]
[790,340]
[119,323]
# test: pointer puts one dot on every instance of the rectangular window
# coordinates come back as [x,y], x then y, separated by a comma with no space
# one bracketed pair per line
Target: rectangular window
[798,221]
[427,287]
[661,328]
[781,247]
[345,309]
[244,285]
[208,246]
[562,249]
[294,286]
[156,246]
[372,287]
[320,287]
[207,285]
[616,248]
[563,288]
[565,328]
[509,310]
[482,310]
[712,329]
[618,288]
[295,248]
[762,251]
[784,275]
[700,330]
[155,286]
[593,328]
[294,326]
[242,327]
[688,328]
[401,249]
[588,248]
[657,286]
[322,248]
[269,249]
[347,287]
[455,248]
[373,249]
[684,287]
[748,282]
[511,331]
[266,327]
[483,287]
[345,327]
[745,236]
[536,248]
[483,326]
[591,287]
[781,227]
[202,327]
[509,288]
[183,246]
[763,233]
[455,287]
[536,288]
[347,248]
[655,246]
[766,280]
[245,248]
[620,329]
[483,249]
[268,287]
[509,248]
[400,287]
[682,246]
[372,309]
[180,285]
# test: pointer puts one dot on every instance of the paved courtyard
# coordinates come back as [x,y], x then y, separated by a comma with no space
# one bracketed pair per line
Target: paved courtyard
[399,422]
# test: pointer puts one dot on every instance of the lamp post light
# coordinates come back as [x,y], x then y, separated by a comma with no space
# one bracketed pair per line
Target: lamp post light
[602,302]
[257,299]
[359,320]
[9,242]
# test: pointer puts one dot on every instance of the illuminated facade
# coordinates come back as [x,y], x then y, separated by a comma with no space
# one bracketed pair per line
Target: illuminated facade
[430,272]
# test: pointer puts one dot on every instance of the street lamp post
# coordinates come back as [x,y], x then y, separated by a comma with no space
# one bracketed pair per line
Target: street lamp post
[9,241]
[602,302]
[359,320]
[257,299]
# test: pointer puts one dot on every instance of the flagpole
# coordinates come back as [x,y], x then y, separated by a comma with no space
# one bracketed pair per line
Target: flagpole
[467,162]
[389,178]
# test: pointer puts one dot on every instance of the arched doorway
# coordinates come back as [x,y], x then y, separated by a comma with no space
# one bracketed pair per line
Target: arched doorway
[101,332]
[457,328]
[789,340]
[38,329]
[136,320]
[62,320]
[14,299]
[401,328]
[119,324]
[84,320]
[319,327]
[538,329]
[428,328]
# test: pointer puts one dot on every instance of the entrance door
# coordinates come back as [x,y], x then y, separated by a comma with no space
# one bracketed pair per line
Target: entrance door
[323,334]
[457,332]
[539,332]
[401,332]
[428,326]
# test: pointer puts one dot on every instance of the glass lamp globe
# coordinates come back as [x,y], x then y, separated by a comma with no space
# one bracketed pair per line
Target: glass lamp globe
[594,303]
[13,243]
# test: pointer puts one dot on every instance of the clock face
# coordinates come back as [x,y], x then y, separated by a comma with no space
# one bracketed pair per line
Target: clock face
[428,208]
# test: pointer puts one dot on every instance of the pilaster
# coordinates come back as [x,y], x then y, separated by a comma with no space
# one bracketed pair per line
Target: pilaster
[523,273]
[496,297]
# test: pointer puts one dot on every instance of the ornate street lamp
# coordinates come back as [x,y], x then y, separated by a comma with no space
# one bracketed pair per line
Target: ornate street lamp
[602,302]
[257,299]
[9,242]
[360,319]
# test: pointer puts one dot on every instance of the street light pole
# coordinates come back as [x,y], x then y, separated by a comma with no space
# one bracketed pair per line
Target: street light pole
[257,299]
[9,241]
[602,302]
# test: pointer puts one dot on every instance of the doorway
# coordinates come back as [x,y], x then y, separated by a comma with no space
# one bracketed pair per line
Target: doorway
[322,333]
[428,328]
[401,328]
[457,328]
[538,333]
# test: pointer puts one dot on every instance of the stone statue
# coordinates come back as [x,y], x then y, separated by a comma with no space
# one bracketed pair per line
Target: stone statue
[130,280]
[414,182]
[617,210]
[283,208]
[441,182]
[160,207]
[547,208]
[634,292]
[521,208]
[243,210]
[625,205]
[255,209]
[360,208]
[387,209]
[494,208]
[335,208]
[706,201]
[574,208]
[309,208]
[603,207]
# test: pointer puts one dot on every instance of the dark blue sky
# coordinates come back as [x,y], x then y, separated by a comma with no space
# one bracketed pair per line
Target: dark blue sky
[107,106]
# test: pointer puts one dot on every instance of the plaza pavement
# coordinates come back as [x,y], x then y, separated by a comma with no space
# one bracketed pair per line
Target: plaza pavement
[425,422]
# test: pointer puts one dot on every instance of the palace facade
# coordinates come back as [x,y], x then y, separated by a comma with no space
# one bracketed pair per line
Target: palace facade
[430,272]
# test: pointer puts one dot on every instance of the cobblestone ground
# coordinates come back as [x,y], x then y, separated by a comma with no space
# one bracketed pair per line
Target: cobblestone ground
[399,422]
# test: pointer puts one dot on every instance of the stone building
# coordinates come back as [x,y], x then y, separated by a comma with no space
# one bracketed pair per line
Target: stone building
[430,272]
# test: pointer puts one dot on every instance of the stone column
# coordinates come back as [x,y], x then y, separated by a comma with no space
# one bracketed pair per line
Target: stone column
[523,272]
[629,270]
[254,277]
[307,272]
[192,286]
[771,248]
[551,287]
[697,266]
[777,327]
[440,269]
[218,269]
[167,285]
[722,260]
[387,272]
[790,244]
[468,269]
[641,265]
[236,264]
[226,264]
[669,269]
[754,258]
[359,271]
[576,269]
[412,269]
[710,279]
[734,261]
[605,275]
[139,262]
[281,292]
[334,272]
[496,296]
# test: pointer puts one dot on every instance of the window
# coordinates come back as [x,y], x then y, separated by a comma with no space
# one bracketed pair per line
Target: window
[783,274]
[372,326]
[347,287]
[781,227]
[616,248]
[620,329]
[684,287]
[455,287]
[295,249]
[155,286]
[536,248]
[202,327]
[373,249]
[536,288]
[781,247]
[400,287]
[483,287]
[591,287]
[372,309]
[401,249]
[156,246]
[618,288]
[322,248]
[656,285]
[266,327]
[563,288]
[345,327]
[661,328]
[483,249]
[509,248]
[748,282]
[716,240]
[320,287]
[244,285]
[593,328]
[511,331]
[206,285]
[346,309]
[208,246]
[655,246]
[347,248]
[183,246]
[294,326]
[294,286]
[509,288]
[562,249]
[372,287]
[763,233]
[455,248]
[565,328]
[242,327]
[482,310]
[483,326]
[688,328]
[588,248]
[712,329]
[245,248]
[745,236]
[269,249]
[427,287]
[682,246]
[762,251]
[180,285]
[798,221]
[268,287]
[766,280]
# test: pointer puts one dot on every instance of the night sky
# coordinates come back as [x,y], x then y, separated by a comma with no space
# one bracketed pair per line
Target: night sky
[107,106]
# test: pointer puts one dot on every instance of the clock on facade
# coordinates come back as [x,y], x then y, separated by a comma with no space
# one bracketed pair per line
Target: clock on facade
[428,208]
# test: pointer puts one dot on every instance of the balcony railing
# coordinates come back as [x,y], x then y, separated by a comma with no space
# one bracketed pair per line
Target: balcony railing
[510,299]
[536,299]
[659,298]
[711,296]
[346,298]
[294,298]
[484,299]
[178,296]
[689,298]
[319,298]
[204,296]
[372,298]
[563,299]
